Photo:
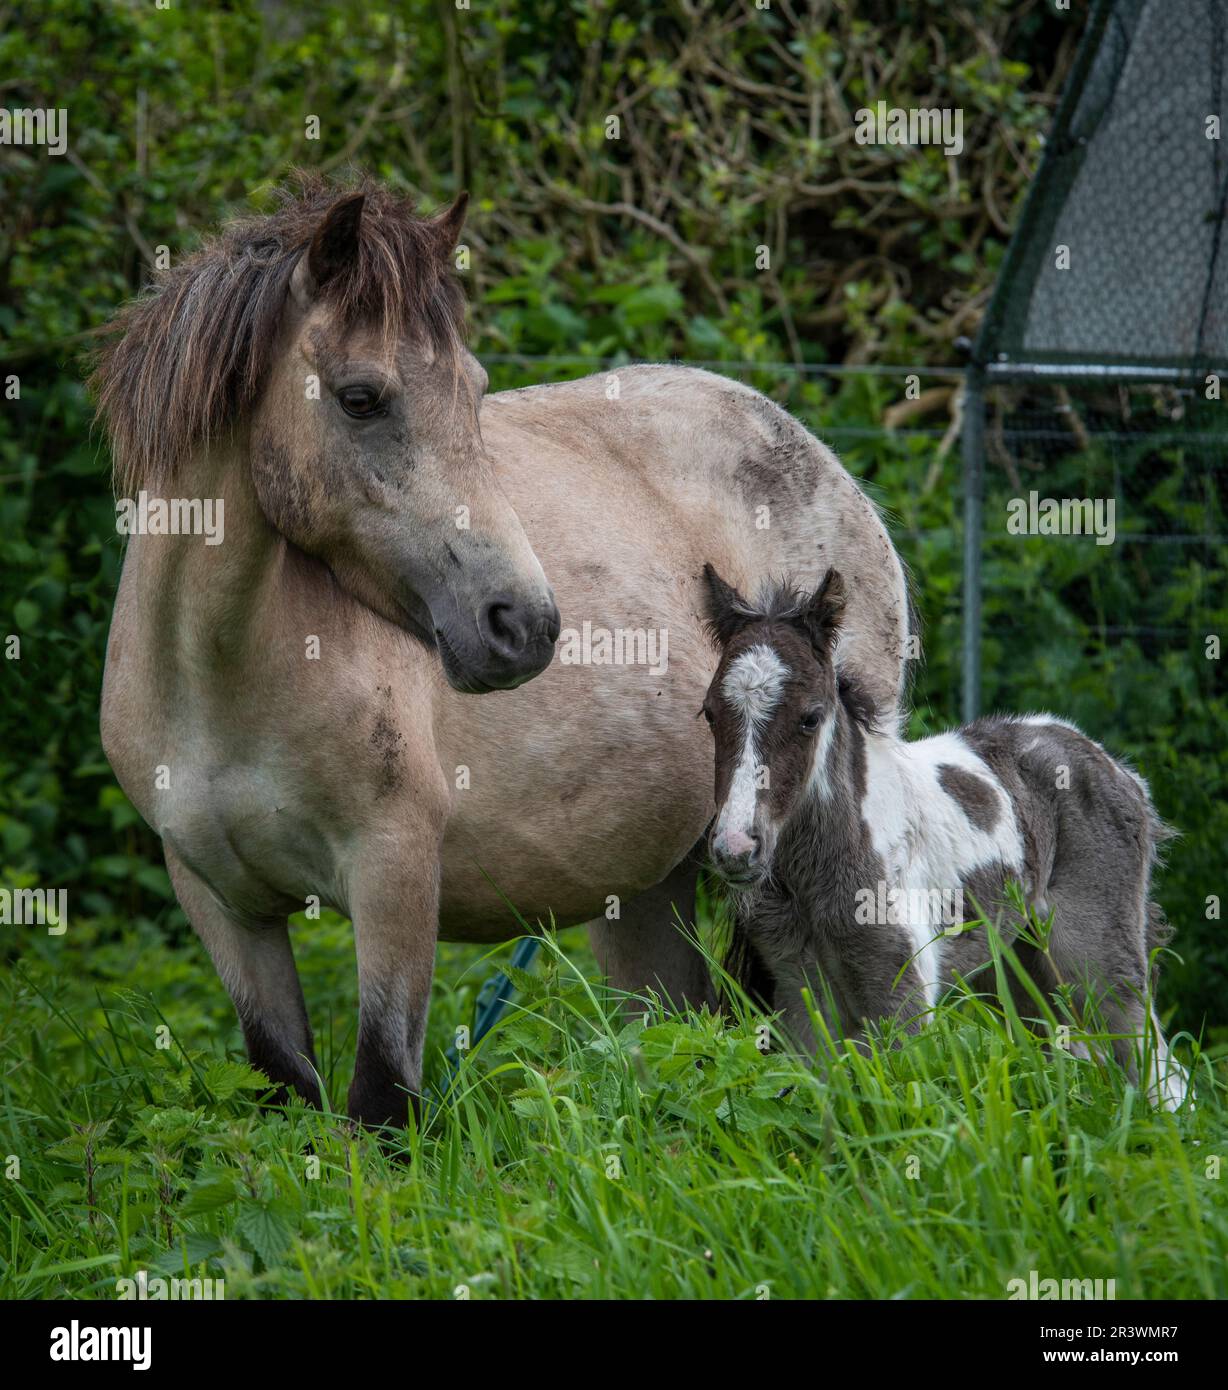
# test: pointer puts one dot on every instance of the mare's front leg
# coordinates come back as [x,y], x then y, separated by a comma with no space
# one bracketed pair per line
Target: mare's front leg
[395,911]
[256,964]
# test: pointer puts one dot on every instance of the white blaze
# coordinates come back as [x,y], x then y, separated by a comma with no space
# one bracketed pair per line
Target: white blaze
[752,686]
[820,776]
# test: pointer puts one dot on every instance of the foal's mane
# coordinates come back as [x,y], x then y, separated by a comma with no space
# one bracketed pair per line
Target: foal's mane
[781,601]
[187,358]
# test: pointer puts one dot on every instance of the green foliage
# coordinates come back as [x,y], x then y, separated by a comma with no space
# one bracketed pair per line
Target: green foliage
[581,1157]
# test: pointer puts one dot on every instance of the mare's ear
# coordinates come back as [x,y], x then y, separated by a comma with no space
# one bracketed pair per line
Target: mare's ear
[334,248]
[824,612]
[448,224]
[728,611]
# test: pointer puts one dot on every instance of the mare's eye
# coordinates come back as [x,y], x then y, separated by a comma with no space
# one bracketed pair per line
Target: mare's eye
[361,402]
[811,721]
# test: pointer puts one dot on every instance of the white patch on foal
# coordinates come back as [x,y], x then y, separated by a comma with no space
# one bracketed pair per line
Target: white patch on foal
[925,840]
[1169,1081]
[820,776]
[752,686]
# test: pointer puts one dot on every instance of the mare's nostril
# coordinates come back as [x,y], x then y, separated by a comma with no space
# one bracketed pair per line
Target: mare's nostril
[502,629]
[510,631]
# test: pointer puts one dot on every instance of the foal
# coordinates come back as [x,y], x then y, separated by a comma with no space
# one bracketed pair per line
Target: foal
[854,850]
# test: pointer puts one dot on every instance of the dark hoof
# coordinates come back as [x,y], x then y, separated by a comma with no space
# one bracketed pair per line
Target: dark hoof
[384,1107]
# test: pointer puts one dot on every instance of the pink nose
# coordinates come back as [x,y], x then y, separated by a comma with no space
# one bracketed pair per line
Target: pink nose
[734,844]
[734,854]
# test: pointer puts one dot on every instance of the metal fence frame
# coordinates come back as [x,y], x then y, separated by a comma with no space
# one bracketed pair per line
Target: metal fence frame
[999,355]
[978,378]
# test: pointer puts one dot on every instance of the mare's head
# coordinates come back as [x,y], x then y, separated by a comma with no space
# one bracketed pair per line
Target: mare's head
[327,340]
[772,708]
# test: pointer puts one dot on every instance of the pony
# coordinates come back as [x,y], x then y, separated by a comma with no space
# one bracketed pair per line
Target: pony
[329,708]
[851,852]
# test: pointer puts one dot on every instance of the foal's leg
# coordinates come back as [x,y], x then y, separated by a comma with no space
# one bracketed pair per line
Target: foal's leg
[794,1020]
[874,978]
[1099,945]
[396,927]
[256,964]
[1168,1082]
[1122,1006]
[647,949]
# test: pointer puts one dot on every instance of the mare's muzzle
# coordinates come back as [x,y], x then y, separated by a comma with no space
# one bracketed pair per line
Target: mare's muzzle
[504,643]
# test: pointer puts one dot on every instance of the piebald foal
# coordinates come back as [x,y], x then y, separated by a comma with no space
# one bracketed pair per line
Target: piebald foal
[855,850]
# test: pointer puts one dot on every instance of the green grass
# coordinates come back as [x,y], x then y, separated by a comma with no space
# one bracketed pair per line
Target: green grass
[579,1156]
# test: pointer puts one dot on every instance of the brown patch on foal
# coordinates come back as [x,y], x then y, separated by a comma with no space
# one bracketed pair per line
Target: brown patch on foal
[974,795]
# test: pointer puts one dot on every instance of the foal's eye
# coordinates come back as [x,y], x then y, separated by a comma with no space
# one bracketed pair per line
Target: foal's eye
[361,402]
[810,722]
[707,714]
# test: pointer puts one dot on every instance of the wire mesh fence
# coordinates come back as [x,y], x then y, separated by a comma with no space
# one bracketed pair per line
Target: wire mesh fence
[1105,517]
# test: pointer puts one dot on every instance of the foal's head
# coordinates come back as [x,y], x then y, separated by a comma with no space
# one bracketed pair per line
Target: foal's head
[331,332]
[772,708]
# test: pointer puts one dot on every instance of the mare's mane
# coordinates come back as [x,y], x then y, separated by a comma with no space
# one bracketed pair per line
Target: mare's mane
[184,361]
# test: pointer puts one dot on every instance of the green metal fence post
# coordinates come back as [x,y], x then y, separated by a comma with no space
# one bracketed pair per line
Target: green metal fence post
[973,445]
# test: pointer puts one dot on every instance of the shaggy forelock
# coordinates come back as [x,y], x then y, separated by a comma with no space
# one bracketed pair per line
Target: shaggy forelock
[780,601]
[187,359]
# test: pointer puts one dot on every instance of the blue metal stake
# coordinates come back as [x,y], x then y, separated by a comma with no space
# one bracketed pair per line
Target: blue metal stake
[492,1001]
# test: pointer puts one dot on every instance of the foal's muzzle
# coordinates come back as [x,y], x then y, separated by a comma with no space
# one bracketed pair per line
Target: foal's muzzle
[736,857]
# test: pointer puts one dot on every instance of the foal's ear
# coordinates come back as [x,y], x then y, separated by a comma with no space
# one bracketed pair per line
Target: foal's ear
[447,225]
[334,248]
[727,609]
[824,612]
